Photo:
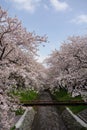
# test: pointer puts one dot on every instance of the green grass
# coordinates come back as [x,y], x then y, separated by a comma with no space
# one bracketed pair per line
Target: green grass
[19,111]
[28,95]
[63,95]
[13,128]
[24,95]
[77,109]
[83,128]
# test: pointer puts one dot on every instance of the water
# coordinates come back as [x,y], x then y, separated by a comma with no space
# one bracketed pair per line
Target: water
[47,117]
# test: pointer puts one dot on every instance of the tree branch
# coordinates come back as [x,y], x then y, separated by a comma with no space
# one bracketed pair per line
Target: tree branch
[3,51]
[8,53]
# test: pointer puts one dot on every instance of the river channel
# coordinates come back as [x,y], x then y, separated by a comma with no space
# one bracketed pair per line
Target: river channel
[47,117]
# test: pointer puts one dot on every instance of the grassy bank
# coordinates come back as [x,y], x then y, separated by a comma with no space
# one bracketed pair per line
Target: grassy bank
[24,95]
[63,95]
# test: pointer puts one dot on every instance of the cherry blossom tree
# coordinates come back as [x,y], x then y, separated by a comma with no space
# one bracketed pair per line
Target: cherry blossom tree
[18,66]
[68,66]
[17,45]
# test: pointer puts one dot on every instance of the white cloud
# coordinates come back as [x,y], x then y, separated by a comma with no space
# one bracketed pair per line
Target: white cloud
[41,58]
[29,5]
[59,6]
[80,19]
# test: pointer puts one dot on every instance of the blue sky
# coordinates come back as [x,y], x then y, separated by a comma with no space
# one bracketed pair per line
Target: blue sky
[58,19]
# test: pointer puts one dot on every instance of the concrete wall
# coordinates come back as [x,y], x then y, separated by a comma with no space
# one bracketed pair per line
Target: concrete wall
[70,122]
[26,119]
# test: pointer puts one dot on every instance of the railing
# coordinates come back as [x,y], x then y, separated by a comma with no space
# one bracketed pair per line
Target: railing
[50,103]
